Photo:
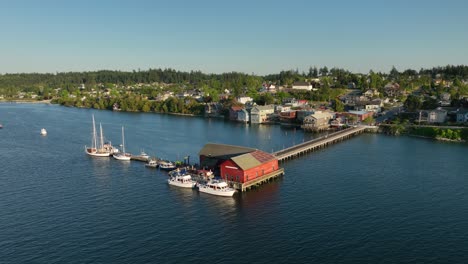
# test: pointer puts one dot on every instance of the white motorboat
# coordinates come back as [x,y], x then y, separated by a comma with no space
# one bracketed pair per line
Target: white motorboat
[216,187]
[95,149]
[164,165]
[181,180]
[123,155]
[43,132]
[152,164]
[144,155]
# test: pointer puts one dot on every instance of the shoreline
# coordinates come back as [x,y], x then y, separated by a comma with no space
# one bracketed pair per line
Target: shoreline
[26,101]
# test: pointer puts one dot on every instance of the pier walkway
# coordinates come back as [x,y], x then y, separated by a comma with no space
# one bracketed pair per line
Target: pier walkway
[314,144]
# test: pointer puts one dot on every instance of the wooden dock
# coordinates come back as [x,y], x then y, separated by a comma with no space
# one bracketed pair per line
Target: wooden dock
[318,143]
[258,181]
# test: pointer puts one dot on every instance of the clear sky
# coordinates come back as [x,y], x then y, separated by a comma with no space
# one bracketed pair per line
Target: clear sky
[219,36]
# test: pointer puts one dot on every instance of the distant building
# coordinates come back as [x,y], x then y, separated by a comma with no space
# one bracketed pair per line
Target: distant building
[302,86]
[236,163]
[437,115]
[244,99]
[462,115]
[259,114]
[361,115]
[243,116]
[370,106]
[233,111]
[318,121]
[392,89]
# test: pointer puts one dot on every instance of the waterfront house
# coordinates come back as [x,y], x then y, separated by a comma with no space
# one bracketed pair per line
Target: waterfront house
[233,110]
[318,121]
[260,113]
[437,115]
[301,114]
[243,116]
[236,163]
[462,115]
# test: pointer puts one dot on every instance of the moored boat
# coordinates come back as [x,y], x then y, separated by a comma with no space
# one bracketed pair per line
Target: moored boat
[216,187]
[122,155]
[152,163]
[43,132]
[166,165]
[181,179]
[144,155]
[98,150]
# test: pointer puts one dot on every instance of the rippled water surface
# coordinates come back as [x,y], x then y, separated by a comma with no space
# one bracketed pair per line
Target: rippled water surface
[371,199]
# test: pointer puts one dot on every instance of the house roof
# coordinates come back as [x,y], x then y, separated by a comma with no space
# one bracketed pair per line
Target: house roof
[320,115]
[236,108]
[301,84]
[253,159]
[264,107]
[220,150]
[357,112]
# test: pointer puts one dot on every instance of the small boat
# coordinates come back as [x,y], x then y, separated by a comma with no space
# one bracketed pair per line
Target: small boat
[164,165]
[144,155]
[43,132]
[122,155]
[216,187]
[152,164]
[1,126]
[181,179]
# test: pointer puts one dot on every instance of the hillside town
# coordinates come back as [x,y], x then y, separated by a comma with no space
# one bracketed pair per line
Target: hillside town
[317,101]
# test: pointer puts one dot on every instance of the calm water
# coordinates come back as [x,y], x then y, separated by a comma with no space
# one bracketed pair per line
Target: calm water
[371,199]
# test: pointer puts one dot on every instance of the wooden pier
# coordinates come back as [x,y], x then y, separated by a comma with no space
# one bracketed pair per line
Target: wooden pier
[318,143]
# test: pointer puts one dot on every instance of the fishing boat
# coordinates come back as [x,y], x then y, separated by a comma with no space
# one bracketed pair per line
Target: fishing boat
[181,179]
[98,150]
[144,155]
[166,165]
[152,164]
[216,187]
[43,132]
[123,155]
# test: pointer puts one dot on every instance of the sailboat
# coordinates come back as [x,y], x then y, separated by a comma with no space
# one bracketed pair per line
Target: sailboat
[95,149]
[123,155]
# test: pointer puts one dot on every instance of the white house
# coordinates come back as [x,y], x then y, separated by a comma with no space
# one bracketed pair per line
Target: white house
[302,86]
[437,115]
[317,121]
[244,99]
[259,113]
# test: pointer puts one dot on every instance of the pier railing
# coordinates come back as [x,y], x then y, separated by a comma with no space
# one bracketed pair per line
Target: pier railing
[312,145]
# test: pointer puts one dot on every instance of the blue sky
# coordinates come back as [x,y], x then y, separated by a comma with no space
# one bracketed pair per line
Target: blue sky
[258,37]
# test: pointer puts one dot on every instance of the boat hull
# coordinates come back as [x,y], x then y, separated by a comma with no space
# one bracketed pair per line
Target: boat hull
[122,157]
[94,153]
[181,184]
[208,190]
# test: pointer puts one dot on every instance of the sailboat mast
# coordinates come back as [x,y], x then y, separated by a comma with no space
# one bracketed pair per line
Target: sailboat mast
[123,141]
[94,143]
[102,138]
